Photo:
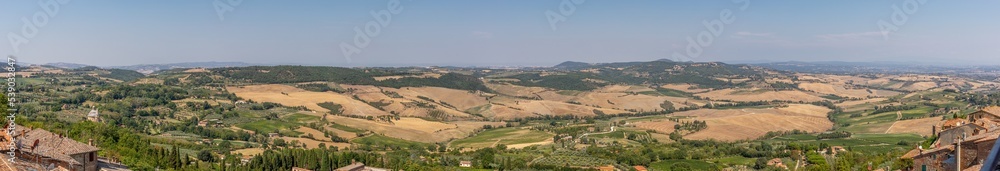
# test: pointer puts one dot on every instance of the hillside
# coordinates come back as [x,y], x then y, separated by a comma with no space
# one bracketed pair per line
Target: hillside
[572,114]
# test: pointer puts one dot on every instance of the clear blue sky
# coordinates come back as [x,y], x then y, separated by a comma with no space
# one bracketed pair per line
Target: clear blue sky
[495,32]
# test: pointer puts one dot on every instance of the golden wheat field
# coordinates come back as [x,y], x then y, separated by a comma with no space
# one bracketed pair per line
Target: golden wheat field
[760,95]
[292,96]
[741,124]
[916,126]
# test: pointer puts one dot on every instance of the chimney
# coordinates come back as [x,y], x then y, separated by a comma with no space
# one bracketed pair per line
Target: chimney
[90,142]
[933,129]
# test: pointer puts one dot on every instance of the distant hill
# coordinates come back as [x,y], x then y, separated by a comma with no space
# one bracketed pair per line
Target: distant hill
[298,74]
[150,68]
[838,67]
[66,65]
[586,76]
[572,65]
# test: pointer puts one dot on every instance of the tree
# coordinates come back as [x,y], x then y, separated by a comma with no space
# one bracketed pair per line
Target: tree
[279,142]
[225,144]
[206,156]
[442,147]
[761,163]
[681,167]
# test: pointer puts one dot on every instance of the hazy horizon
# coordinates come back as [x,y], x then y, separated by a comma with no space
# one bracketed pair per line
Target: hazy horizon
[498,33]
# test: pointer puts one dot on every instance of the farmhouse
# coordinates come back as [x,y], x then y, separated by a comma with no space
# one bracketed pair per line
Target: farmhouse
[606,168]
[989,113]
[359,167]
[961,144]
[43,150]
[94,116]
[465,164]
[776,162]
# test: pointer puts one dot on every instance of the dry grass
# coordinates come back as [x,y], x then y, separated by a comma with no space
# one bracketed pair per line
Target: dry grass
[342,133]
[684,88]
[760,95]
[404,105]
[298,97]
[917,126]
[518,146]
[315,133]
[196,70]
[249,151]
[148,81]
[840,90]
[415,129]
[847,104]
[741,124]
[461,99]
[921,86]
[311,143]
[514,90]
[626,101]
[515,108]
[425,75]
[662,126]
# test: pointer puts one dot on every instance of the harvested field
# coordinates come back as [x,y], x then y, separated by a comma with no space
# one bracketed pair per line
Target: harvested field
[921,86]
[342,133]
[311,143]
[425,75]
[917,126]
[461,99]
[404,100]
[685,88]
[148,81]
[519,146]
[315,133]
[506,136]
[292,96]
[760,95]
[662,126]
[515,90]
[515,108]
[839,90]
[625,101]
[249,151]
[622,89]
[740,124]
[415,129]
[196,70]
[374,94]
[848,104]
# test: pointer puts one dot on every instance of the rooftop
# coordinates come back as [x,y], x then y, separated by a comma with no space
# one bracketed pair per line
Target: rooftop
[93,113]
[55,146]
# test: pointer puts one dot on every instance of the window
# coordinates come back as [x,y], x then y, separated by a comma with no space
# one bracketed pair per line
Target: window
[92,157]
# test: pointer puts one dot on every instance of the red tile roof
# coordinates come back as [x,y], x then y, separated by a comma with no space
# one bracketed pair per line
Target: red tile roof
[51,145]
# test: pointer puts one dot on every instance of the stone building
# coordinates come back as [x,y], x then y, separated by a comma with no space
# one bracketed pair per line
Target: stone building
[94,116]
[960,143]
[38,149]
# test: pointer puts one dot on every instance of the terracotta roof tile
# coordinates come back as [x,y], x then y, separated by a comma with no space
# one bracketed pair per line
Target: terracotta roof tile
[52,145]
[995,110]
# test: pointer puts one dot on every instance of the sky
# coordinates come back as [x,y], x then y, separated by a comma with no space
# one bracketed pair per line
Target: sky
[497,32]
